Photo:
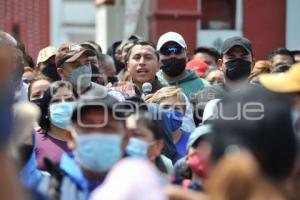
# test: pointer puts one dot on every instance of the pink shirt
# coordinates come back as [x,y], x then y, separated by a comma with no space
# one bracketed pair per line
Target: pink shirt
[47,146]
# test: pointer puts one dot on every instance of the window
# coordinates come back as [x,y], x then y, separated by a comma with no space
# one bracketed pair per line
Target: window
[218,14]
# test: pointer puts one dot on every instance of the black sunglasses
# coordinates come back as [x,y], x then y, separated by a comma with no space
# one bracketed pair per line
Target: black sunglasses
[169,50]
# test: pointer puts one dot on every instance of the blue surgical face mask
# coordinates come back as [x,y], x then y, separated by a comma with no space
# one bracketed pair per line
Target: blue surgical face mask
[81,76]
[174,119]
[98,152]
[137,148]
[60,114]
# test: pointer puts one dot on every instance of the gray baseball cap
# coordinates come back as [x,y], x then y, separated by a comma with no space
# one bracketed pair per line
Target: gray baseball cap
[197,133]
[236,41]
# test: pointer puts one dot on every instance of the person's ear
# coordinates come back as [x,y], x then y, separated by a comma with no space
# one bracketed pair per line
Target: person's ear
[60,72]
[157,66]
[191,150]
[221,65]
[127,67]
[253,63]
[186,54]
[38,70]
[159,147]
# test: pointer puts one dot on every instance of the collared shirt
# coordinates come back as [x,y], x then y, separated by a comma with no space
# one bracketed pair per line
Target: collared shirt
[75,185]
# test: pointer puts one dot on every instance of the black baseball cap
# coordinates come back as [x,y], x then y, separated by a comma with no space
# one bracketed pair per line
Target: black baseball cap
[236,41]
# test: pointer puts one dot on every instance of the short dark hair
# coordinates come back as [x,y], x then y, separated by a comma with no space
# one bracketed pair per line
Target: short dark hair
[271,138]
[26,57]
[280,51]
[142,43]
[208,50]
[280,68]
[145,118]
[29,61]
[45,103]
[35,79]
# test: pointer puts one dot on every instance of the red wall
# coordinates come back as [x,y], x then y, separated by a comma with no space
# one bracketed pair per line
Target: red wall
[264,25]
[32,17]
[176,15]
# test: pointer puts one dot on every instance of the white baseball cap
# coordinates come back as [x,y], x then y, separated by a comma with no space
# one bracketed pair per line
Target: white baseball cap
[171,37]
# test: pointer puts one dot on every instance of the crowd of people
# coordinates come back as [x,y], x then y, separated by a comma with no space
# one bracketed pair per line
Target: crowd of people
[148,121]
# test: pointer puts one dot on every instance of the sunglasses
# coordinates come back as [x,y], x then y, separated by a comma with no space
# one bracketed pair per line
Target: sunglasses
[169,50]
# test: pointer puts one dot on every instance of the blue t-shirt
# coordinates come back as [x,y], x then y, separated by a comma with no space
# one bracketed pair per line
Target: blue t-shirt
[181,143]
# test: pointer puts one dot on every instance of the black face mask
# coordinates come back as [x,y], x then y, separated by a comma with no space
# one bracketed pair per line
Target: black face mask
[119,65]
[112,79]
[173,66]
[237,69]
[50,71]
[37,102]
[95,73]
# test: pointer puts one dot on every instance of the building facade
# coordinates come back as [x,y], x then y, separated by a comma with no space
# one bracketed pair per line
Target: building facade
[268,24]
[28,21]
[38,23]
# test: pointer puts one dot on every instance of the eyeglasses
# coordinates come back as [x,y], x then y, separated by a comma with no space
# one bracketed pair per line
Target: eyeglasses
[169,50]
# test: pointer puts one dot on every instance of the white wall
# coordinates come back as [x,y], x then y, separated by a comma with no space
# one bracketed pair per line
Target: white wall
[110,23]
[72,20]
[293,24]
[142,28]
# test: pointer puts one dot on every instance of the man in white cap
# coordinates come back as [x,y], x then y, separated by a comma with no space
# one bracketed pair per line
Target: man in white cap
[173,57]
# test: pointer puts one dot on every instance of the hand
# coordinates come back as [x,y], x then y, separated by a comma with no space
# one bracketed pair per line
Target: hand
[126,87]
[148,97]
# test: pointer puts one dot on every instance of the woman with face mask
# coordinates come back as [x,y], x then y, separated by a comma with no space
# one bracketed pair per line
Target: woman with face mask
[57,106]
[29,175]
[172,101]
[36,91]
